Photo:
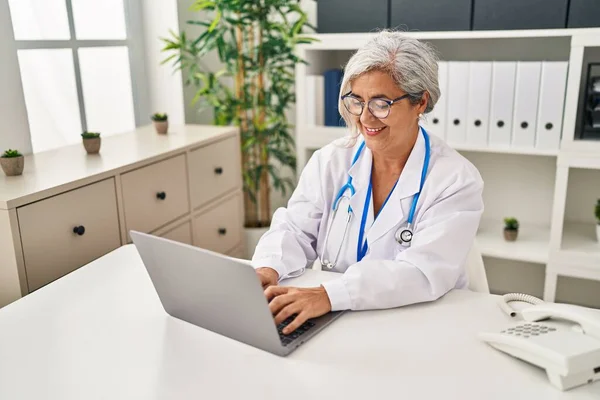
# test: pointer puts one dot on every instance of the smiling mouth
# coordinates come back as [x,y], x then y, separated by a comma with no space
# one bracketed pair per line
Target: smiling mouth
[374,130]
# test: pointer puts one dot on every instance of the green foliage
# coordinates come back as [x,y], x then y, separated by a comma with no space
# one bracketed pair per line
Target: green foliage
[159,117]
[597,211]
[511,224]
[90,135]
[255,41]
[10,153]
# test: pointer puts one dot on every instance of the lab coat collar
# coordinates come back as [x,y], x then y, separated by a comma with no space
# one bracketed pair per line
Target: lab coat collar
[407,186]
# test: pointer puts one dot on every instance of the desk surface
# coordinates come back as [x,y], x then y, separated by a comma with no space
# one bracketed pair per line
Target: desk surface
[101,333]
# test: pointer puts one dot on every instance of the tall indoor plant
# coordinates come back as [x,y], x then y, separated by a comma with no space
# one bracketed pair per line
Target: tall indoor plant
[255,41]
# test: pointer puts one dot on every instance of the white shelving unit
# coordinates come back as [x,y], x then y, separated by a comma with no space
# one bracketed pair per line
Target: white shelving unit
[551,192]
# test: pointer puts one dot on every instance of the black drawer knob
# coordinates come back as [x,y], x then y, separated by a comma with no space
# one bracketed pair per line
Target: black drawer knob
[477,122]
[456,121]
[500,124]
[524,125]
[80,230]
[161,195]
[218,170]
[549,125]
[436,121]
[222,231]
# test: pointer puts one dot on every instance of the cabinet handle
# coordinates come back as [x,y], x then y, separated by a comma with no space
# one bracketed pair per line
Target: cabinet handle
[477,122]
[218,170]
[456,121]
[222,231]
[524,125]
[161,195]
[500,124]
[549,125]
[80,230]
[435,120]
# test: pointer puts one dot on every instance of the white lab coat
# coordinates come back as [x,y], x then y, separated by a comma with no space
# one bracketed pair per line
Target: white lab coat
[390,275]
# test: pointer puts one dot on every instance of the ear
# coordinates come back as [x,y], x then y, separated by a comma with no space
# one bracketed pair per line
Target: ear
[422,106]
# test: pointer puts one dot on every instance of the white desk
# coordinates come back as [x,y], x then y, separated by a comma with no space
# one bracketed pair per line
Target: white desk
[101,333]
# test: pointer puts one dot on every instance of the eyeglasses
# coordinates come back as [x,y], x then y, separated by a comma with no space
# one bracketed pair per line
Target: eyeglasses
[380,108]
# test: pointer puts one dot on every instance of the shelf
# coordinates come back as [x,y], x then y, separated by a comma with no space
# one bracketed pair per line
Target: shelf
[352,41]
[580,244]
[319,136]
[532,244]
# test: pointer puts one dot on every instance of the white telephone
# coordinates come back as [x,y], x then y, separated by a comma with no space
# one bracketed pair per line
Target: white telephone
[566,344]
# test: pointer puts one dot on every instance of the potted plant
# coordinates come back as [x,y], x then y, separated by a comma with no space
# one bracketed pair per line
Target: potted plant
[597,214]
[511,229]
[12,162]
[161,122]
[91,142]
[256,45]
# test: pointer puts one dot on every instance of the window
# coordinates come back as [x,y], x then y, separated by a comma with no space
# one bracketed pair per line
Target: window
[79,63]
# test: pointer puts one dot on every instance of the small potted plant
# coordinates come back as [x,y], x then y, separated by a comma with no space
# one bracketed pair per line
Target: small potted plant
[12,162]
[597,214]
[91,142]
[161,122]
[511,229]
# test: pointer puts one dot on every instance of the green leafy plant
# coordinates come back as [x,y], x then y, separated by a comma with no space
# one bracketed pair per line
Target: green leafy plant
[90,135]
[10,153]
[255,41]
[597,211]
[511,224]
[159,117]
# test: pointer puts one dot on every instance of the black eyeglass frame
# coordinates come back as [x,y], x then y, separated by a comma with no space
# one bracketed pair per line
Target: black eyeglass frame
[362,104]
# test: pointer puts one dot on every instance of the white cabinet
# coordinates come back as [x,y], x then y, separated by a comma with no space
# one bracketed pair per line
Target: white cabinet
[69,208]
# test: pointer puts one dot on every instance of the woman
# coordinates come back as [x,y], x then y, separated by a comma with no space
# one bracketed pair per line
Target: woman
[388,85]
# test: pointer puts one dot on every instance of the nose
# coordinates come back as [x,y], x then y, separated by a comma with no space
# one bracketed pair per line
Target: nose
[366,117]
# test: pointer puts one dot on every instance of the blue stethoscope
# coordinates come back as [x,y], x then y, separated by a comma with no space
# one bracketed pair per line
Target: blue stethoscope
[403,236]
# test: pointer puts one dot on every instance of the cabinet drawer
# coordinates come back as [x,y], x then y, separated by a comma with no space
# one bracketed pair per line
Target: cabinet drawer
[214,170]
[50,246]
[155,195]
[431,15]
[181,233]
[220,228]
[524,14]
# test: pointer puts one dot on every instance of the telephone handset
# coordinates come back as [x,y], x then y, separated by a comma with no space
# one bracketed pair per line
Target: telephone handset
[563,339]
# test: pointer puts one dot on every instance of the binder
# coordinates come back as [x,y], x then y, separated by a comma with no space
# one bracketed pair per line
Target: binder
[553,84]
[315,109]
[332,83]
[501,105]
[458,95]
[478,109]
[436,119]
[527,90]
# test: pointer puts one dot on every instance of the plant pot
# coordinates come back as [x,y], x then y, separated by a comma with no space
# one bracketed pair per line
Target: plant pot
[252,236]
[92,146]
[510,235]
[12,166]
[161,127]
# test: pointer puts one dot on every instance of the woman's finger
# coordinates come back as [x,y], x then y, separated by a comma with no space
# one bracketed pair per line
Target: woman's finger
[287,311]
[299,320]
[274,291]
[279,302]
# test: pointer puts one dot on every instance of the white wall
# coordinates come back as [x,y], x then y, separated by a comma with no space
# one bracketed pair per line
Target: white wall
[14,126]
[164,84]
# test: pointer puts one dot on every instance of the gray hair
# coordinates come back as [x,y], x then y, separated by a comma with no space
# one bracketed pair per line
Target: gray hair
[412,64]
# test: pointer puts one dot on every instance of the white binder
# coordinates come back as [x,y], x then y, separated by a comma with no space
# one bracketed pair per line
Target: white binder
[502,100]
[315,112]
[552,99]
[527,91]
[458,96]
[478,110]
[435,121]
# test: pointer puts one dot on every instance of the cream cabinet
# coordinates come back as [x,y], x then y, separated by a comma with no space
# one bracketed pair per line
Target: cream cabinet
[69,208]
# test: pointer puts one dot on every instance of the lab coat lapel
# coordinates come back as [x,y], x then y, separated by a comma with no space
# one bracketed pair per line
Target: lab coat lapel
[361,176]
[408,185]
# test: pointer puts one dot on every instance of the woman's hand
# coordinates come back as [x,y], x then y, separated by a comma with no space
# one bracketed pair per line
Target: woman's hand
[268,276]
[304,302]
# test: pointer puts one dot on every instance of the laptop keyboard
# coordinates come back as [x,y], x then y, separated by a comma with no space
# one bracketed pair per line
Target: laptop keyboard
[301,330]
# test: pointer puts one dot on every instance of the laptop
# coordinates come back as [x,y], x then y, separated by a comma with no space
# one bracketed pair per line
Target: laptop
[219,293]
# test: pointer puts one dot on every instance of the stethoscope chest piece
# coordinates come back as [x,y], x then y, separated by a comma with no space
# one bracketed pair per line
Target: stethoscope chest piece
[404,236]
